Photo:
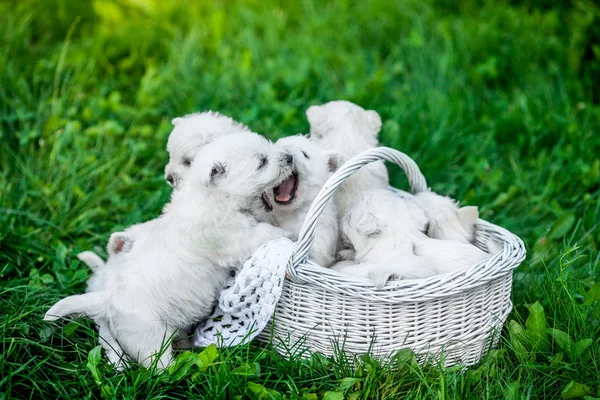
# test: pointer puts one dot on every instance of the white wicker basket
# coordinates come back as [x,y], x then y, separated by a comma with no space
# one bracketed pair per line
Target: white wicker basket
[453,317]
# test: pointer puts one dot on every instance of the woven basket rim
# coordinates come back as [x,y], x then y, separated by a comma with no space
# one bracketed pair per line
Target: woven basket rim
[411,290]
[302,271]
[318,295]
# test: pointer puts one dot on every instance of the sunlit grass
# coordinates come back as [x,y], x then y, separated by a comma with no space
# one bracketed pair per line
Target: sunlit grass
[493,101]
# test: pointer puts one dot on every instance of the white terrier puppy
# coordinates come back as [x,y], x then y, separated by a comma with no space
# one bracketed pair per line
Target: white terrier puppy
[292,199]
[190,133]
[172,274]
[388,235]
[349,129]
[446,219]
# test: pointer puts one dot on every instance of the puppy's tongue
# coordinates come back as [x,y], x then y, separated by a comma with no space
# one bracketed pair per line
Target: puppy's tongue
[284,190]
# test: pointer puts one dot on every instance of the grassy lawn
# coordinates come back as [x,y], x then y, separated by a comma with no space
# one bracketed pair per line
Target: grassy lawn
[498,102]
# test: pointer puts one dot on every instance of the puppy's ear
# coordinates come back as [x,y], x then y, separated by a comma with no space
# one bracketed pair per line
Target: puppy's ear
[468,216]
[374,120]
[314,114]
[334,161]
[216,172]
[175,121]
[369,226]
[119,242]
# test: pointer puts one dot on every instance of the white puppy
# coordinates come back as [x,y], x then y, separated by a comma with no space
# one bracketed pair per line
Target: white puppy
[349,129]
[311,169]
[446,219]
[190,133]
[388,235]
[172,275]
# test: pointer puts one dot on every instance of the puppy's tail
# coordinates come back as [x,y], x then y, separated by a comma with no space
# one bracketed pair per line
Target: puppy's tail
[91,305]
[91,259]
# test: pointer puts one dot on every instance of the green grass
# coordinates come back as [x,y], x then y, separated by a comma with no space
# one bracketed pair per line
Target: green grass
[496,101]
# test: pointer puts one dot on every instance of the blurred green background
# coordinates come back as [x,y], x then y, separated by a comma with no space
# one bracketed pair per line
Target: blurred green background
[497,101]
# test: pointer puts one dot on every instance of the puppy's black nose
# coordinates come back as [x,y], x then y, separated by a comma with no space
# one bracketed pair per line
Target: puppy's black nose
[170,179]
[290,159]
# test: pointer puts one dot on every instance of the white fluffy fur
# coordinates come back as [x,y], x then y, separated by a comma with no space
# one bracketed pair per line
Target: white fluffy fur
[91,259]
[388,235]
[190,133]
[171,276]
[312,168]
[447,220]
[349,129]
[118,243]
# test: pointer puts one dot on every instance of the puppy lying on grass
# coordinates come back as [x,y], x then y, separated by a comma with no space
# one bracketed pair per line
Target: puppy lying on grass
[172,275]
[388,235]
[292,199]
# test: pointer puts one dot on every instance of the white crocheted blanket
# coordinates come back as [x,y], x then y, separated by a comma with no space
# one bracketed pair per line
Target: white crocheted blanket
[247,303]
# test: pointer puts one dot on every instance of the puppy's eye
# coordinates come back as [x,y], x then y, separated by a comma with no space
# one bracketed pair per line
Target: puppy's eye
[186,162]
[306,155]
[426,230]
[263,161]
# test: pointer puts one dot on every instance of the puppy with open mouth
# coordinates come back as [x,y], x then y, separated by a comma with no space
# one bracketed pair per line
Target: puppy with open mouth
[311,167]
[171,276]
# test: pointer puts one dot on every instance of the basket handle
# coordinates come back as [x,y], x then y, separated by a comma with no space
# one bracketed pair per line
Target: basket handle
[307,233]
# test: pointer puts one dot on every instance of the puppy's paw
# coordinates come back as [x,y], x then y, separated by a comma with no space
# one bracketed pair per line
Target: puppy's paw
[379,279]
[50,317]
[119,366]
[346,254]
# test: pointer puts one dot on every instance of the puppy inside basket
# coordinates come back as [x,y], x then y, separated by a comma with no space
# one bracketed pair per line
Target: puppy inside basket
[388,236]
[385,234]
